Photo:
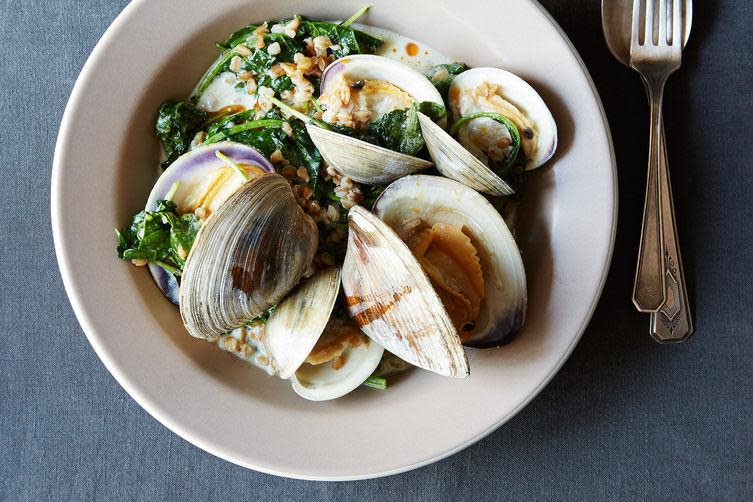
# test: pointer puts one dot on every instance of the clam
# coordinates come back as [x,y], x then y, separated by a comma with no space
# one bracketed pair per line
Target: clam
[341,361]
[362,89]
[201,179]
[298,322]
[464,246]
[362,161]
[325,356]
[392,300]
[496,112]
[247,256]
[454,161]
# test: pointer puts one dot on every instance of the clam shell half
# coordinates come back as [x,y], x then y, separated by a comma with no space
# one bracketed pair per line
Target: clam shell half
[362,161]
[515,93]
[248,255]
[428,200]
[457,163]
[391,299]
[298,322]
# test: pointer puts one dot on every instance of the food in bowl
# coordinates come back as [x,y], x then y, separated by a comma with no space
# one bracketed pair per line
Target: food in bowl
[332,206]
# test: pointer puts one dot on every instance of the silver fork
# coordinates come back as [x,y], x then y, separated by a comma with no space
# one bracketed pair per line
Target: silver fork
[655,55]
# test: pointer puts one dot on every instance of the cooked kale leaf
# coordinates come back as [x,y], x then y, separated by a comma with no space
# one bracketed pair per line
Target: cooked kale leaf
[400,131]
[177,123]
[160,236]
[442,76]
[350,41]
[279,84]
[308,155]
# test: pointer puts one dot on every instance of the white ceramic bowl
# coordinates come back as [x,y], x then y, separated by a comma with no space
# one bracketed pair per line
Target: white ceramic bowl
[104,169]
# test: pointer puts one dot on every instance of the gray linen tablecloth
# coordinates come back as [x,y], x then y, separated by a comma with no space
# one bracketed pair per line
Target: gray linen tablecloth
[625,418]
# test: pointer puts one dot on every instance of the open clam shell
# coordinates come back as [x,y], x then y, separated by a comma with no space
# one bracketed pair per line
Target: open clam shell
[189,171]
[365,67]
[248,255]
[362,161]
[499,91]
[299,320]
[322,382]
[457,163]
[421,200]
[374,85]
[392,300]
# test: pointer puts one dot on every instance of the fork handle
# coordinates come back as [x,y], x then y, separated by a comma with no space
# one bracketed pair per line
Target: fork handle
[673,322]
[649,289]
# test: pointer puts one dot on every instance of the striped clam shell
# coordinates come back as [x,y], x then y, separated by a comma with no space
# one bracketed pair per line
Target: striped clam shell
[391,299]
[247,257]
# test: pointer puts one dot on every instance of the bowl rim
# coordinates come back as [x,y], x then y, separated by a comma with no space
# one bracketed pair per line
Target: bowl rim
[153,408]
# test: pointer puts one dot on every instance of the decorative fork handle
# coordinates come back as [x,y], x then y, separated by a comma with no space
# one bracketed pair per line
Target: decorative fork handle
[673,322]
[649,288]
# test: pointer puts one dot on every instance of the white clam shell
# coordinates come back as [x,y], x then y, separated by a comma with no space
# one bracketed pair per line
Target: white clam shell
[391,299]
[247,256]
[358,160]
[433,199]
[372,67]
[457,163]
[517,91]
[322,382]
[299,320]
[362,161]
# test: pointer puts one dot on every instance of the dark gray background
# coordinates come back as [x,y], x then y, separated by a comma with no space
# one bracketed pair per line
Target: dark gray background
[625,418]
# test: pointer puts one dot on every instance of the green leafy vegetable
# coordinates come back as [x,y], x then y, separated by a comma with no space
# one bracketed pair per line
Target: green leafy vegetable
[239,37]
[510,169]
[218,67]
[400,131]
[279,84]
[160,236]
[308,154]
[512,157]
[177,124]
[432,110]
[228,129]
[442,76]
[350,41]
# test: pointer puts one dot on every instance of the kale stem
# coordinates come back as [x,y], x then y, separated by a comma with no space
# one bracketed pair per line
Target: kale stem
[213,71]
[171,193]
[376,382]
[292,111]
[254,124]
[232,164]
[316,105]
[512,128]
[251,124]
[355,16]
